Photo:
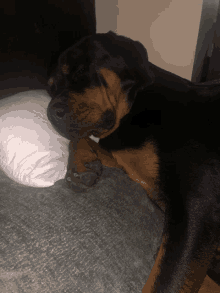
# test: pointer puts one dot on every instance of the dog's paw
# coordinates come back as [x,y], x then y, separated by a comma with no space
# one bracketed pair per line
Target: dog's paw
[81,181]
[84,179]
[95,166]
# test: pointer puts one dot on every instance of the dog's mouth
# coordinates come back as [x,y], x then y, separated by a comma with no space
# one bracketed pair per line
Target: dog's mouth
[98,133]
[95,133]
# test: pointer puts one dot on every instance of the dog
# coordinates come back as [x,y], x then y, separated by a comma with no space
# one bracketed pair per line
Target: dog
[161,129]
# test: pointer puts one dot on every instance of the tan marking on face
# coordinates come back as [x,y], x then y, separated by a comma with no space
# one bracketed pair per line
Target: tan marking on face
[89,107]
[50,81]
[116,96]
[65,69]
[151,285]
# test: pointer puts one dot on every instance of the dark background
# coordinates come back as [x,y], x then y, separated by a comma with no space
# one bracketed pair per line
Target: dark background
[34,33]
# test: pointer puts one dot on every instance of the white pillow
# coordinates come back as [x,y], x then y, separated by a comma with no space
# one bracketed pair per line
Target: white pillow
[31,151]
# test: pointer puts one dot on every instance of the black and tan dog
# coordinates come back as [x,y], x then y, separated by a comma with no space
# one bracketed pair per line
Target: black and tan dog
[161,129]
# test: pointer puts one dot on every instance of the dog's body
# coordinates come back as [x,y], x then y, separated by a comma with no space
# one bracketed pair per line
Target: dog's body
[158,127]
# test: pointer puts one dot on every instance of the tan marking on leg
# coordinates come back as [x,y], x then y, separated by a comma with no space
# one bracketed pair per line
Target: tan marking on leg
[150,286]
[78,157]
[195,281]
[209,286]
[142,166]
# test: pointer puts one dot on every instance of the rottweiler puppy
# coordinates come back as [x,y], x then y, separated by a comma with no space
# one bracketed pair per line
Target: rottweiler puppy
[159,128]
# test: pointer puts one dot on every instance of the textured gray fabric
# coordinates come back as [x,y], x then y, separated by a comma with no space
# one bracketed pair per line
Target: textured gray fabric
[56,240]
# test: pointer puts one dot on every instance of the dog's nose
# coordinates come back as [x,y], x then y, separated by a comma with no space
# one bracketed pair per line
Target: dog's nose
[58,109]
[60,113]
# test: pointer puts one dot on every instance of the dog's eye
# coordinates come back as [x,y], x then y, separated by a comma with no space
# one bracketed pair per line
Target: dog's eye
[78,72]
[65,69]
[81,69]
[51,81]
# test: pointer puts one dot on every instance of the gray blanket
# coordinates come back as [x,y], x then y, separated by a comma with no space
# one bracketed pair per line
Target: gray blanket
[54,240]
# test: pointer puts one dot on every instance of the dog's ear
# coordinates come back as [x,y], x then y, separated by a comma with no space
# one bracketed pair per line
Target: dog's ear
[135,56]
[137,74]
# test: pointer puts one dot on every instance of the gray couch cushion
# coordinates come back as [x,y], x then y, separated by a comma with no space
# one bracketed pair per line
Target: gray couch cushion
[54,240]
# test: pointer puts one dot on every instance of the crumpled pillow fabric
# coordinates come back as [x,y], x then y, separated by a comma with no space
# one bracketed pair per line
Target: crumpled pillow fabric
[31,151]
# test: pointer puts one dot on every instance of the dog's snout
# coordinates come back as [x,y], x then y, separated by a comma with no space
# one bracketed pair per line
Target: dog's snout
[59,113]
[59,109]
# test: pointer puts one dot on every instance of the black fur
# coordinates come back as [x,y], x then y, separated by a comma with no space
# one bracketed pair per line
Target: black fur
[182,120]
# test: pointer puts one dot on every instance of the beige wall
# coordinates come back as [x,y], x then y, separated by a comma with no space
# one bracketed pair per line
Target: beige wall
[167,28]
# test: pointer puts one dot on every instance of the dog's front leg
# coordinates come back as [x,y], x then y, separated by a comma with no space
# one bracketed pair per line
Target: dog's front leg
[85,162]
[83,165]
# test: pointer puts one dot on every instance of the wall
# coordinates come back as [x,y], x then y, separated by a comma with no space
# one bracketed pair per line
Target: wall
[167,28]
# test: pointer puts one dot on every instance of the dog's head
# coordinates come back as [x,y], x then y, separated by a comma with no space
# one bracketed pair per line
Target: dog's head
[95,84]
